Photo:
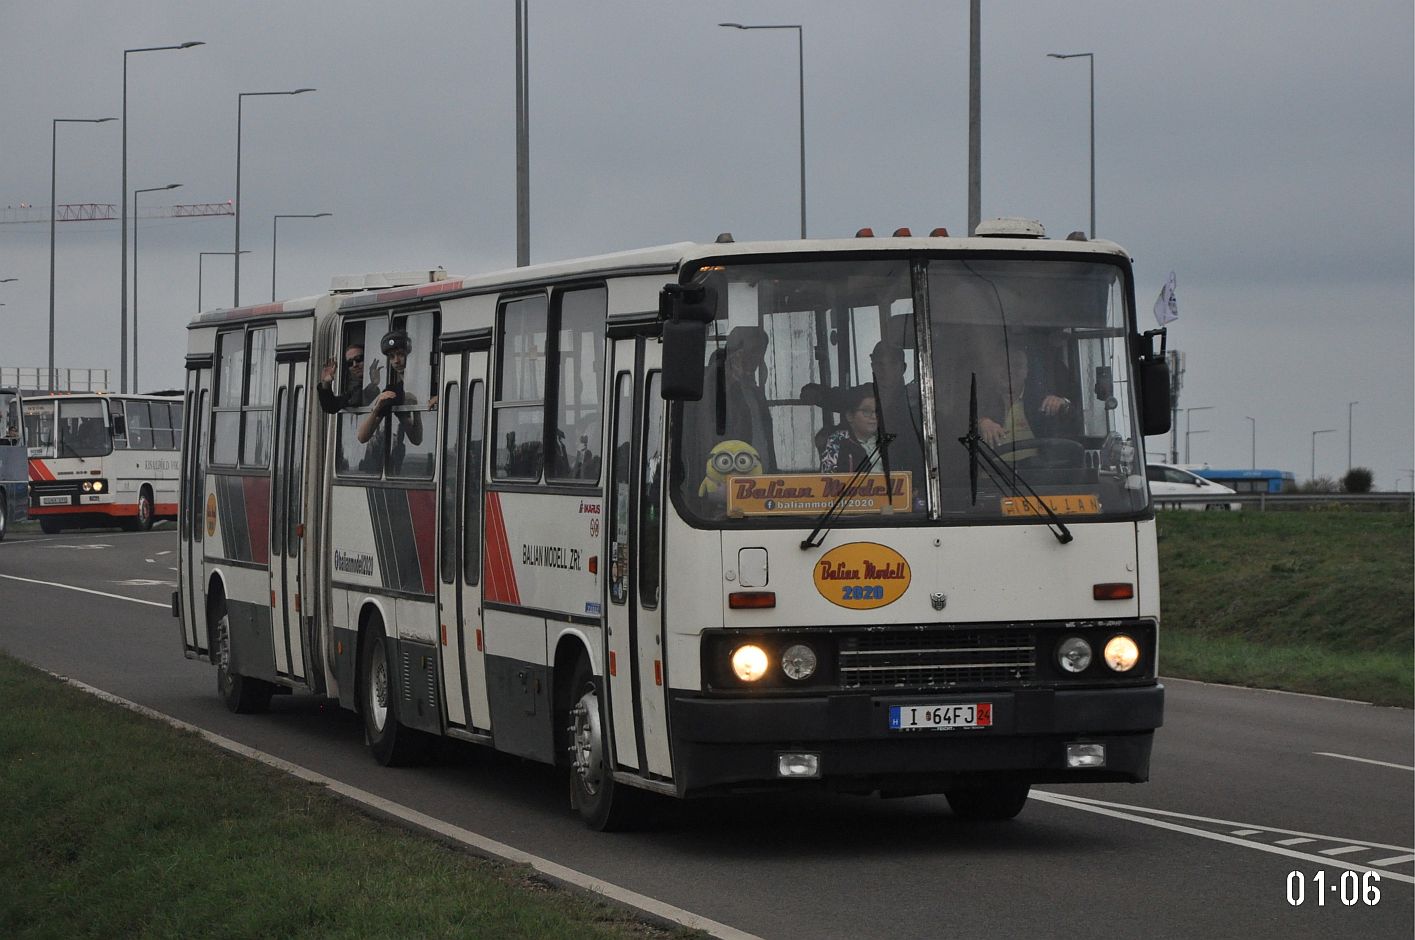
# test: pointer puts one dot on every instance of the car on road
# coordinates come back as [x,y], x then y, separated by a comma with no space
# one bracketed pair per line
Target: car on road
[1168,481]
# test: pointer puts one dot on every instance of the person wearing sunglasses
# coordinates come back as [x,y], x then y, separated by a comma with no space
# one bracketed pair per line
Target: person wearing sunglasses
[356,392]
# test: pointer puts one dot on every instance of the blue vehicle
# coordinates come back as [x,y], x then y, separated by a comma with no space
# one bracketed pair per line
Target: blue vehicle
[14,465]
[1251,481]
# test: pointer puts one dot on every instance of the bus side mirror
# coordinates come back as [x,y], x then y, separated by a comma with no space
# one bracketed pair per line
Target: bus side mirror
[686,310]
[1154,396]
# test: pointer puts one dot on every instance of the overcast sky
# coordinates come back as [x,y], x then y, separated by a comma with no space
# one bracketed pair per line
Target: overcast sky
[1263,151]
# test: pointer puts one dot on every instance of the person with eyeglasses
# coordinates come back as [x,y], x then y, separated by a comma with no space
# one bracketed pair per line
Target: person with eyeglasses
[355,392]
[849,447]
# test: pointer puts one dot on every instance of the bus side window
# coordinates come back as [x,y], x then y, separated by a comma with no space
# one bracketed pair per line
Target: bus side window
[139,423]
[119,424]
[579,384]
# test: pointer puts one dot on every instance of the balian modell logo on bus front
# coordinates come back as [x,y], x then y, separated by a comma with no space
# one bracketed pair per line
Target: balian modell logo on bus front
[862,575]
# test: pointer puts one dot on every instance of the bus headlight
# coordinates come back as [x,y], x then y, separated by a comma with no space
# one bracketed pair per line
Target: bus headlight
[799,662]
[98,486]
[1073,654]
[749,662]
[87,486]
[1121,653]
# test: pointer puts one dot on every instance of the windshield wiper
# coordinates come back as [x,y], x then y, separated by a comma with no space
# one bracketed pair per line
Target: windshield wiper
[884,437]
[826,518]
[1003,476]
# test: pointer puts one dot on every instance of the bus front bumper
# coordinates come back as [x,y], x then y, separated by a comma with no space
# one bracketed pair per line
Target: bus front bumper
[727,744]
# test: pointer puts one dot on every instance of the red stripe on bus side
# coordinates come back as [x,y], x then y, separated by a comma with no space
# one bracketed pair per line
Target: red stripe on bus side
[422,510]
[38,471]
[257,499]
[500,575]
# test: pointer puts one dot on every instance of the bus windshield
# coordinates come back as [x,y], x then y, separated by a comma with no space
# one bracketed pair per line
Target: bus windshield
[80,431]
[823,390]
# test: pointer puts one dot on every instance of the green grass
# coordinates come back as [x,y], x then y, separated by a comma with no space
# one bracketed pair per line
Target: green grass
[118,826]
[1312,601]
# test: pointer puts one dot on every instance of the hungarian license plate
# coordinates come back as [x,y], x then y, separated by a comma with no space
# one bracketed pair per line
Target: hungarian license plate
[940,717]
[54,501]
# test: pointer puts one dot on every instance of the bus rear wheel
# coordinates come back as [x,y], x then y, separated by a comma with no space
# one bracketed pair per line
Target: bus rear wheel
[392,743]
[994,802]
[241,694]
[604,804]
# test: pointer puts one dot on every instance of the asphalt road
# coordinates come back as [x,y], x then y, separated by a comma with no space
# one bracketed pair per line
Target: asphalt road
[1247,787]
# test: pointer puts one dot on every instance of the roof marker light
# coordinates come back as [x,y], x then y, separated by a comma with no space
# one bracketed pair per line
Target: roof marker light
[902,232]
[939,232]
[724,238]
[865,233]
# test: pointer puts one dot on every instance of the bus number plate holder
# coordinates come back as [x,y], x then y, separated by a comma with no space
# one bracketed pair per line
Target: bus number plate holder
[940,717]
[54,501]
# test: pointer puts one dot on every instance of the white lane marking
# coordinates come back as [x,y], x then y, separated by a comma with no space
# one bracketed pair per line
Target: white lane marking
[168,552]
[479,843]
[1363,760]
[1246,832]
[70,587]
[146,582]
[1394,860]
[1346,850]
[1294,841]
[81,548]
[1105,809]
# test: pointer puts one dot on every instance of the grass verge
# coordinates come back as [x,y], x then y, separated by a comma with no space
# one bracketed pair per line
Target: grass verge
[118,826]
[1309,601]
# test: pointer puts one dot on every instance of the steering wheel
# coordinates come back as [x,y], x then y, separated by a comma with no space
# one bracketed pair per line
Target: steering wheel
[1052,453]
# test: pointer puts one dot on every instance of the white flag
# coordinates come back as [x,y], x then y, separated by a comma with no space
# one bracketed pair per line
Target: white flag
[1166,308]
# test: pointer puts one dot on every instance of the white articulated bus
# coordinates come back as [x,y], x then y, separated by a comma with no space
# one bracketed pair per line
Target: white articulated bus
[867,514]
[103,460]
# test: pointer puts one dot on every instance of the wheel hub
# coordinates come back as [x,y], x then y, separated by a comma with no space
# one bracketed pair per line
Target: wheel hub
[587,742]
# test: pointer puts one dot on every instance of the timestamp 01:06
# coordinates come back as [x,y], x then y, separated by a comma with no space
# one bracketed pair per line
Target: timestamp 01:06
[1349,888]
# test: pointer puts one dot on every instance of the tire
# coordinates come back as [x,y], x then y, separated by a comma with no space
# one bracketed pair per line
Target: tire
[242,694]
[392,743]
[603,804]
[50,526]
[990,803]
[4,517]
[146,511]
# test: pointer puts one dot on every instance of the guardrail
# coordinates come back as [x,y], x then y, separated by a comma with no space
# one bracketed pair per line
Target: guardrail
[1287,501]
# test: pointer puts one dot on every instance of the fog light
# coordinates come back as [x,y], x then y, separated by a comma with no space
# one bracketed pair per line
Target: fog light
[749,662]
[1073,654]
[799,661]
[87,486]
[1121,653]
[798,765]
[1085,755]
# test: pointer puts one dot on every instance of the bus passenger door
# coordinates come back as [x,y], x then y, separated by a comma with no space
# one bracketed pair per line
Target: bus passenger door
[459,594]
[286,501]
[636,676]
[192,522]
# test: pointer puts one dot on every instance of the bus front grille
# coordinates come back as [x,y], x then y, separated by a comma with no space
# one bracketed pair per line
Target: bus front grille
[937,659]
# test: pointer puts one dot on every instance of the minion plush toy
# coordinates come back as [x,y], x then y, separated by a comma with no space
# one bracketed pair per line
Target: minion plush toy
[729,459]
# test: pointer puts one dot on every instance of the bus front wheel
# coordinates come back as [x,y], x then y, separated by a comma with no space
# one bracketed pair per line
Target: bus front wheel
[242,694]
[604,805]
[993,802]
[50,526]
[4,517]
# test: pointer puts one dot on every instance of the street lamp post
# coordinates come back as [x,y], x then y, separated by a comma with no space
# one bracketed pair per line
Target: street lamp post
[1187,422]
[801,80]
[1092,57]
[240,101]
[275,239]
[523,135]
[1253,458]
[1350,406]
[1314,449]
[201,259]
[123,220]
[53,214]
[153,189]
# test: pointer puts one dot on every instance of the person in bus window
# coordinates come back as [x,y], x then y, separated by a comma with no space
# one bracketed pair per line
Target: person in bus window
[902,418]
[395,399]
[847,449]
[734,405]
[355,392]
